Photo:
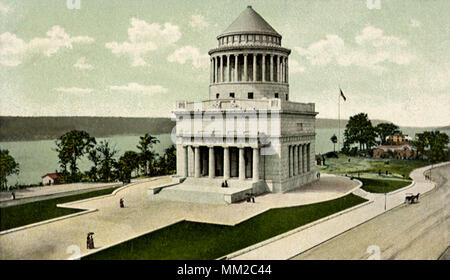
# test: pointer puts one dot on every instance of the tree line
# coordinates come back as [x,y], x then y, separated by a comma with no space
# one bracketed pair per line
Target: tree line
[360,137]
[106,167]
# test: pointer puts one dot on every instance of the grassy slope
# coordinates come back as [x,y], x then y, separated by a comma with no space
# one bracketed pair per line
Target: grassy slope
[383,186]
[364,165]
[191,240]
[33,212]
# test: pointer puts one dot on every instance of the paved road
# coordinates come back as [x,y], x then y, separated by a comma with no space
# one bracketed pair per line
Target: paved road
[418,231]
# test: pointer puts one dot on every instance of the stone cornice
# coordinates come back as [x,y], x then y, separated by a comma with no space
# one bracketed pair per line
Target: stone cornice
[250,48]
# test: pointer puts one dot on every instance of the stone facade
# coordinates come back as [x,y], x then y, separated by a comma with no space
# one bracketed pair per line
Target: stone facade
[248,130]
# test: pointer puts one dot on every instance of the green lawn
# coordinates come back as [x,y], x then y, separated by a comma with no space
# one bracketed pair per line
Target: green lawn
[33,212]
[396,168]
[383,186]
[192,240]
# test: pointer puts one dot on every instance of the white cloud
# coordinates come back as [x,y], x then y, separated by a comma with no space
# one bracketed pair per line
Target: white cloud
[198,22]
[372,50]
[295,67]
[4,9]
[415,23]
[74,90]
[82,64]
[144,38]
[189,53]
[138,88]
[13,49]
[323,51]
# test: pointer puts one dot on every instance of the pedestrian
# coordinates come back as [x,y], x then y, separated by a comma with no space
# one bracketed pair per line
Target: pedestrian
[226,184]
[88,241]
[223,185]
[121,203]
[13,194]
[253,198]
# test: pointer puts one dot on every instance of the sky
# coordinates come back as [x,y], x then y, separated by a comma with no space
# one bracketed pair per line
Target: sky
[136,58]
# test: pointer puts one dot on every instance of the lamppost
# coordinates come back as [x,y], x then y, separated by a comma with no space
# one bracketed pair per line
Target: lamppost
[385,201]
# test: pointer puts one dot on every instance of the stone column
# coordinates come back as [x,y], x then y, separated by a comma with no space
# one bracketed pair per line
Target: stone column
[241,164]
[299,158]
[226,163]
[185,162]
[308,157]
[228,69]
[303,158]
[197,161]
[271,67]
[215,69]
[263,67]
[289,160]
[221,69]
[255,164]
[236,67]
[255,56]
[287,70]
[295,160]
[245,68]
[190,161]
[211,163]
[211,69]
[278,69]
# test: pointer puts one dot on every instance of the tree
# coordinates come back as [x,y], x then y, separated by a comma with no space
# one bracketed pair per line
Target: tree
[106,160]
[147,155]
[167,163]
[8,166]
[334,139]
[125,165]
[432,144]
[359,130]
[70,148]
[94,157]
[170,156]
[383,130]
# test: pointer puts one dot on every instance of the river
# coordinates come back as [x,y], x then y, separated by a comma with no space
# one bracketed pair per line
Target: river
[37,158]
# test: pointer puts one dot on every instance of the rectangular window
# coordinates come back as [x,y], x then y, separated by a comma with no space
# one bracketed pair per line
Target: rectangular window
[232,94]
[287,96]
[250,95]
[276,95]
[217,95]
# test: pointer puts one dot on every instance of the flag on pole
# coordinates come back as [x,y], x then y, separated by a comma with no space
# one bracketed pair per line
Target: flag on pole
[342,95]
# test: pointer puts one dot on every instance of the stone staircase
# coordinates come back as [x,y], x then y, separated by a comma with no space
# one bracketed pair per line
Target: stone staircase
[207,190]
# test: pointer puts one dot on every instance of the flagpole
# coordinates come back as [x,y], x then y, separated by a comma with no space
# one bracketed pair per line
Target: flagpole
[339,119]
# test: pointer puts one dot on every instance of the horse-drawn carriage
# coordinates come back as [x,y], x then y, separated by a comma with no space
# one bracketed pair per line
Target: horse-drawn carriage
[411,198]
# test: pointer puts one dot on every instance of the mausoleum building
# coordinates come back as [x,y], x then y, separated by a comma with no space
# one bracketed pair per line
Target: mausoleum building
[248,132]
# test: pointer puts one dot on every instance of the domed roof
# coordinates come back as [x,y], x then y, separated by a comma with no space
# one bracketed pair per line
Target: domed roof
[250,22]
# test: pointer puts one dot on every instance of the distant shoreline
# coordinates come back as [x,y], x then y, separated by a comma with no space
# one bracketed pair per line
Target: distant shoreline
[19,129]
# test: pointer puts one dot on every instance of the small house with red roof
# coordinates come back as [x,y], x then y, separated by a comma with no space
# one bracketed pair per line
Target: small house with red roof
[49,178]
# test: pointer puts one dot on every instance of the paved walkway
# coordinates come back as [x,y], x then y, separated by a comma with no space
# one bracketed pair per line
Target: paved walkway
[142,215]
[51,190]
[294,244]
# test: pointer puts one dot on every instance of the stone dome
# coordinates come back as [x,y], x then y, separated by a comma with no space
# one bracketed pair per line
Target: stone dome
[250,22]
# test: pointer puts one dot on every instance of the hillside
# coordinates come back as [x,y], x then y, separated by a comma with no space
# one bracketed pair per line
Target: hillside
[44,128]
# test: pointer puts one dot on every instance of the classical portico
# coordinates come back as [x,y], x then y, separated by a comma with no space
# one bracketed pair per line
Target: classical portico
[248,132]
[224,162]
